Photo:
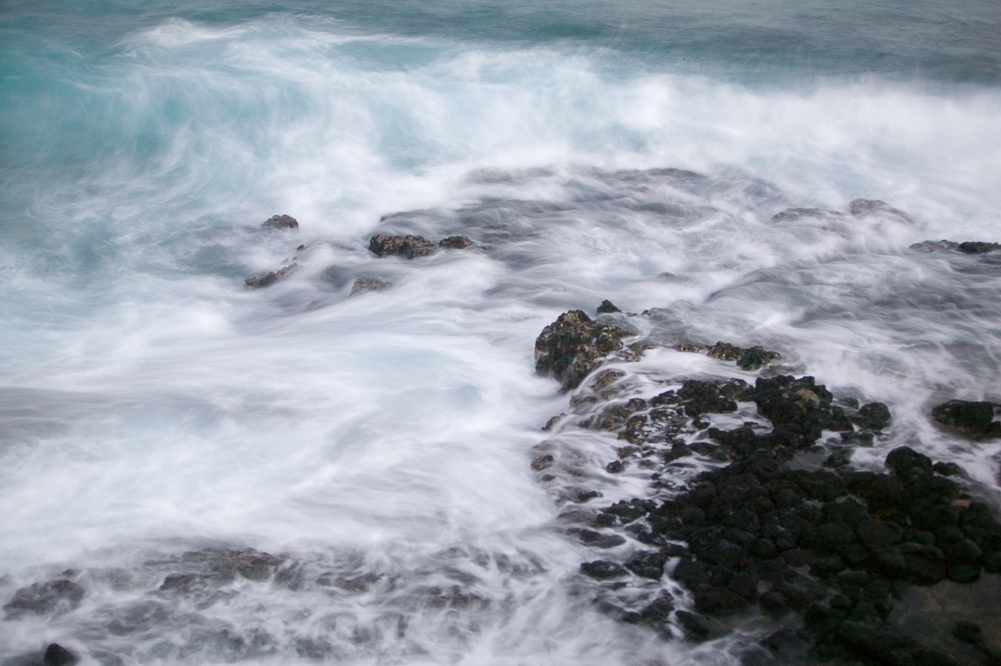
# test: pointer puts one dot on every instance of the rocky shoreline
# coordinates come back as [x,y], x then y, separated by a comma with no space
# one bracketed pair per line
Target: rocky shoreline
[778,527]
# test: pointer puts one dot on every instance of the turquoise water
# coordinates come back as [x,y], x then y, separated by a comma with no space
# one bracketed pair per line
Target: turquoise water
[150,404]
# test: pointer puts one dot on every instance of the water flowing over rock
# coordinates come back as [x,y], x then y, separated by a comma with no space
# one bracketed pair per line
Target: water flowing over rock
[364,285]
[455,242]
[976,420]
[268,279]
[574,345]
[284,222]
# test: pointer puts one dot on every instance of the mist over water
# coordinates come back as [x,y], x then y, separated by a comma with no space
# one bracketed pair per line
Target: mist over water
[379,444]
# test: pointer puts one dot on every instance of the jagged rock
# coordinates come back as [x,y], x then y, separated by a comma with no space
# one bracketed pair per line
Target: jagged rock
[607,307]
[57,655]
[280,222]
[751,358]
[696,627]
[45,598]
[406,246]
[864,207]
[973,419]
[363,285]
[874,416]
[268,279]
[572,346]
[455,242]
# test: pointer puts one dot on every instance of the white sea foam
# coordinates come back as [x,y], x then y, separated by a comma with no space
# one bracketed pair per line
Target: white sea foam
[153,404]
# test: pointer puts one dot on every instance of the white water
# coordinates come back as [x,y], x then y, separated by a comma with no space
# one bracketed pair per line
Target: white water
[150,404]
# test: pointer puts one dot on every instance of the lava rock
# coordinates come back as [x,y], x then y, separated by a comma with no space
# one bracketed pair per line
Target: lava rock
[696,627]
[572,346]
[406,246]
[268,279]
[45,597]
[280,222]
[874,416]
[973,419]
[607,307]
[752,358]
[455,242]
[363,285]
[934,246]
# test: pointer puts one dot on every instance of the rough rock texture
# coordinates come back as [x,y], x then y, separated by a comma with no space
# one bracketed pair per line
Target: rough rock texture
[572,346]
[455,242]
[280,222]
[752,358]
[40,598]
[406,246]
[607,307]
[973,419]
[363,285]
[268,279]
[864,207]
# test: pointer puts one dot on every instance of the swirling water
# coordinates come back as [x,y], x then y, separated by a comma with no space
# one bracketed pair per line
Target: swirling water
[151,405]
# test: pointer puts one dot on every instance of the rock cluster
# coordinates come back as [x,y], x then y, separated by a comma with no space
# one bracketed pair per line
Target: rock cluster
[572,346]
[412,246]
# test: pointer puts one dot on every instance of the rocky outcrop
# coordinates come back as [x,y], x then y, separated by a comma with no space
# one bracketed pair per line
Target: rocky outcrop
[41,598]
[607,307]
[283,222]
[268,279]
[455,242]
[574,345]
[404,246]
[363,285]
[975,420]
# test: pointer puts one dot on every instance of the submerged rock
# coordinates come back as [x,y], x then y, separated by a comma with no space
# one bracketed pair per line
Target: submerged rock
[793,214]
[865,207]
[973,419]
[967,247]
[268,279]
[40,598]
[363,285]
[280,222]
[405,246]
[572,346]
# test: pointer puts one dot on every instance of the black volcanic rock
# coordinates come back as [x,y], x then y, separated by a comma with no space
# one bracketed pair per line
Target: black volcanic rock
[405,246]
[573,345]
[45,597]
[455,242]
[973,419]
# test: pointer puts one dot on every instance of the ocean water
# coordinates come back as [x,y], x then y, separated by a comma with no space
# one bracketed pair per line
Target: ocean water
[151,405]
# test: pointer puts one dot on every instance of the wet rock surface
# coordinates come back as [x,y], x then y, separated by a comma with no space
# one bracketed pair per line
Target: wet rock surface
[285,222]
[574,345]
[975,420]
[966,247]
[410,247]
[48,597]
[786,527]
[268,279]
[364,285]
[455,242]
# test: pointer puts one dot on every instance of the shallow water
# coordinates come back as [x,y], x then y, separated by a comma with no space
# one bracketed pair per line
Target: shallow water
[151,405]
